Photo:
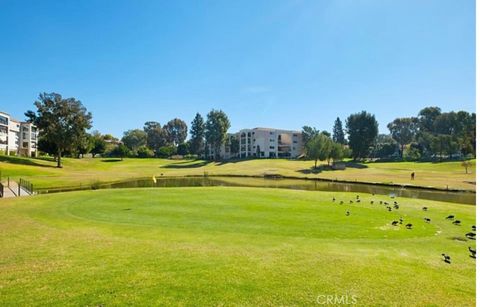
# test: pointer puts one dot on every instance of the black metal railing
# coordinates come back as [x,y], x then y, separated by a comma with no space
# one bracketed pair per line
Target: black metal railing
[26,185]
[2,188]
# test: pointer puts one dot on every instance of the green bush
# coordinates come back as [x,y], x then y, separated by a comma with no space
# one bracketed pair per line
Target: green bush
[166,151]
[413,154]
[145,152]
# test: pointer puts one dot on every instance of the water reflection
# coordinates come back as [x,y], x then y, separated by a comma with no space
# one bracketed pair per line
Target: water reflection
[297,184]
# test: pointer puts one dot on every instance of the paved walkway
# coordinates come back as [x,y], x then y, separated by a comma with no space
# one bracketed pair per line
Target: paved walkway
[12,191]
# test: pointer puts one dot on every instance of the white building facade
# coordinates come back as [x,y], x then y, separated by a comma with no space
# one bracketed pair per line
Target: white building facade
[17,138]
[264,143]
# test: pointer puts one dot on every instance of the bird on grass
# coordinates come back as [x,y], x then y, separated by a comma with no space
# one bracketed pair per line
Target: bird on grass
[470,235]
[347,213]
[473,252]
[446,258]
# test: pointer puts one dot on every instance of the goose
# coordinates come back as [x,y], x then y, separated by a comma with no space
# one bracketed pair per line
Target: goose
[446,258]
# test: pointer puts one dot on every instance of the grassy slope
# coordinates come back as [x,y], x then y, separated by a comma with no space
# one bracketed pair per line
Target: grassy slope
[249,246]
[87,171]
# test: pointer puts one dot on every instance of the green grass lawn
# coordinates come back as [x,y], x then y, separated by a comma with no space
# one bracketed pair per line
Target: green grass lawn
[43,174]
[230,246]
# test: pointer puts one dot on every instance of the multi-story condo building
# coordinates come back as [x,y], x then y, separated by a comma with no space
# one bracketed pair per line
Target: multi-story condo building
[17,138]
[264,143]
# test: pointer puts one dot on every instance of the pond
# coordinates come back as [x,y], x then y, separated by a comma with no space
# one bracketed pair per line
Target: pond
[297,184]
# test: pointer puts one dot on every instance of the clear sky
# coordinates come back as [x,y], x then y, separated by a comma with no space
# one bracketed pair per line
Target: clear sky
[281,64]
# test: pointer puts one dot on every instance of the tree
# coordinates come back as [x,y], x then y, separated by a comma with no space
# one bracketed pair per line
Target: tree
[216,129]
[99,145]
[362,129]
[167,151]
[156,136]
[197,133]
[234,145]
[338,134]
[444,144]
[403,130]
[120,151]
[175,131]
[182,149]
[308,133]
[134,139]
[326,133]
[385,146]
[44,145]
[84,146]
[319,148]
[63,122]
[337,152]
[426,118]
[144,152]
[30,116]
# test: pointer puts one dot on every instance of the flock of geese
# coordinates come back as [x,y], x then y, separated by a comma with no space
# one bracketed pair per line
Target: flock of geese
[446,258]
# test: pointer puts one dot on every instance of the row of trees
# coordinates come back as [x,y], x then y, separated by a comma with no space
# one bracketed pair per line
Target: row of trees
[434,133]
[164,141]
[430,135]
[361,128]
[64,122]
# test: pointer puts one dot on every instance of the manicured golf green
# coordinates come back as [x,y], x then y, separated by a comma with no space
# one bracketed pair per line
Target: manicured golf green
[87,171]
[231,246]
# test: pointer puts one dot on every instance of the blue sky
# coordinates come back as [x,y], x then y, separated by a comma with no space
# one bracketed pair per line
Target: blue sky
[275,63]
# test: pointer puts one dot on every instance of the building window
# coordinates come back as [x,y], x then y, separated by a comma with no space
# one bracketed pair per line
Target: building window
[272,147]
[25,144]
[3,120]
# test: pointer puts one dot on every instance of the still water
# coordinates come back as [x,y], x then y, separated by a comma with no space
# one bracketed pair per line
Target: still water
[297,184]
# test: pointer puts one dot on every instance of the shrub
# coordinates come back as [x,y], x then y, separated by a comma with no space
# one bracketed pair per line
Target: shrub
[166,151]
[145,152]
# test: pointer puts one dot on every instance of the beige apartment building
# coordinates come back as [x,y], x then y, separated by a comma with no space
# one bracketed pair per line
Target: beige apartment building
[16,137]
[264,143]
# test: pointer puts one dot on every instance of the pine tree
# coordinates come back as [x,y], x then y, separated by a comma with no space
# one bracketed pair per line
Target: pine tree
[197,132]
[338,134]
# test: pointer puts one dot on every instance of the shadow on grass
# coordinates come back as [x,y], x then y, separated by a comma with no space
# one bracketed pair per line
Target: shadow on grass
[330,168]
[186,164]
[111,160]
[24,161]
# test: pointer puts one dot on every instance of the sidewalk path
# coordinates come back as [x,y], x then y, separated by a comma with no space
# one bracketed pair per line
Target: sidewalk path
[12,191]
